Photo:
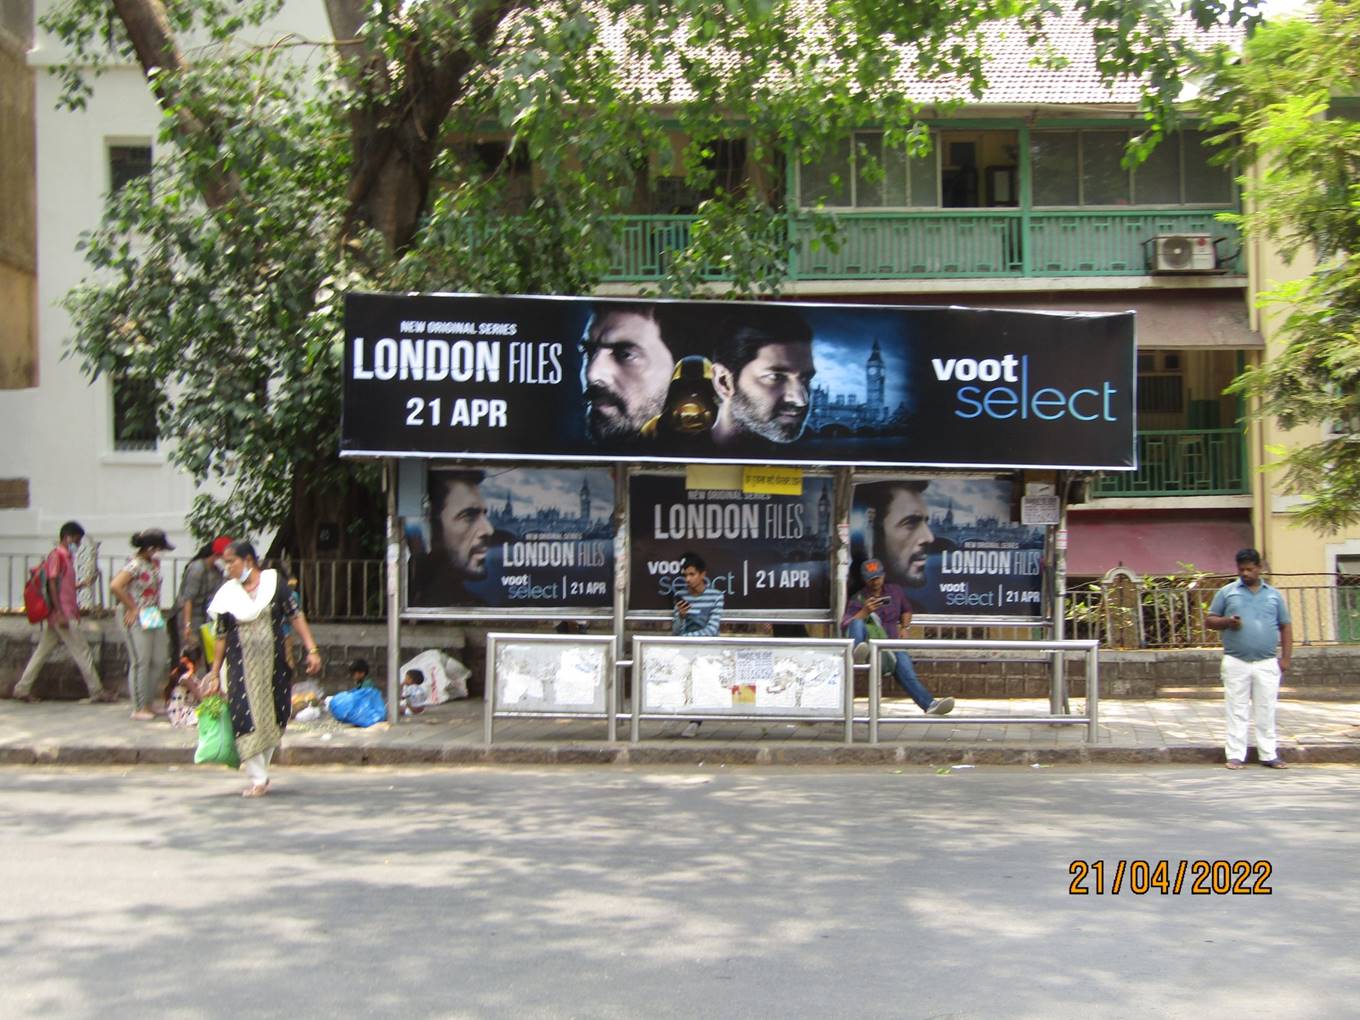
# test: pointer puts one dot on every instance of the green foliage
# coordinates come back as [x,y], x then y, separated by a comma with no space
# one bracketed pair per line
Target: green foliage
[292,172]
[1158,610]
[1287,111]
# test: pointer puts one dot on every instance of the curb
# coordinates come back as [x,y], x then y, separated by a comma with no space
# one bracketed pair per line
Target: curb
[861,755]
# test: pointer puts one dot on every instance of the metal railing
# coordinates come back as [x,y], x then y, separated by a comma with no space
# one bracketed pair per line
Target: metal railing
[1182,462]
[329,590]
[1027,649]
[940,243]
[1163,614]
[1174,617]
[960,244]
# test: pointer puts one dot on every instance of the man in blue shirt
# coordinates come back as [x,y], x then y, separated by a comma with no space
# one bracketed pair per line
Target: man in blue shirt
[697,612]
[1254,620]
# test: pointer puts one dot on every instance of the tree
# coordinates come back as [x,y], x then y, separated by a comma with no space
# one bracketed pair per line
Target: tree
[297,170]
[1287,111]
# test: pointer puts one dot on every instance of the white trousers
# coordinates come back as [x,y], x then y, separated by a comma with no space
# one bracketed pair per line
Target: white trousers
[257,767]
[75,643]
[1250,690]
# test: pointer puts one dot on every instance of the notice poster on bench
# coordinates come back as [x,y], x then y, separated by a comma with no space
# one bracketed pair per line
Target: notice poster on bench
[687,676]
[557,677]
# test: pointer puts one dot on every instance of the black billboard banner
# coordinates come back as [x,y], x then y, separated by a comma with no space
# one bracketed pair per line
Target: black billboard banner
[763,551]
[518,538]
[585,379]
[954,545]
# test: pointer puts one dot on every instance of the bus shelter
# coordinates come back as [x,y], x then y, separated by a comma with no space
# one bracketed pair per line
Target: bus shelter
[552,459]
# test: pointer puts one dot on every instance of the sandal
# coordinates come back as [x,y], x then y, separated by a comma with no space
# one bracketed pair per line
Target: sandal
[1233,763]
[143,715]
[104,697]
[256,791]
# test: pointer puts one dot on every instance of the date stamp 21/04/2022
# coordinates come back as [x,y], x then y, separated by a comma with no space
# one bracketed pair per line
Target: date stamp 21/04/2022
[1170,878]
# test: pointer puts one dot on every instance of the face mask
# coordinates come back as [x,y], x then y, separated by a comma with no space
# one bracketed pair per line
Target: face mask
[219,566]
[245,575]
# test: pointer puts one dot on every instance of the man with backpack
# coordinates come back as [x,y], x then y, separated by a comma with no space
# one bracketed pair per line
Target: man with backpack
[63,620]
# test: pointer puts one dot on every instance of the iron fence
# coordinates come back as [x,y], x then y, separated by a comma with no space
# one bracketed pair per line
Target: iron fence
[329,590]
[1172,614]
[1157,613]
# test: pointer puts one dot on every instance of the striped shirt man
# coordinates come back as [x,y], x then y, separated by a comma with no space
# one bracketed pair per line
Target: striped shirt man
[704,616]
[698,609]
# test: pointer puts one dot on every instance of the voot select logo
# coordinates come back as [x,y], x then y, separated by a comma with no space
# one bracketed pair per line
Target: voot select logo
[1010,393]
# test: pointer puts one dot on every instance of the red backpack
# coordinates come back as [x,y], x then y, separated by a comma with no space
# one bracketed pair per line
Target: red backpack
[35,594]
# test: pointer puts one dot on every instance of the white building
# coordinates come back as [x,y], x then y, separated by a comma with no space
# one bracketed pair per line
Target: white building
[81,457]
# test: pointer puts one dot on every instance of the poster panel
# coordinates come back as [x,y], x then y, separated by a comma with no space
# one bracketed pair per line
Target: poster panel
[954,545]
[699,677]
[763,550]
[564,678]
[512,538]
[589,379]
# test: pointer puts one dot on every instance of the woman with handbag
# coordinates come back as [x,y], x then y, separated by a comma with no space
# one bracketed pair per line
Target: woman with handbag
[251,611]
[138,587]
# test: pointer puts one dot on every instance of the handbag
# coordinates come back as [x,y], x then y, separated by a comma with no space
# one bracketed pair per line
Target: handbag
[216,742]
[150,618]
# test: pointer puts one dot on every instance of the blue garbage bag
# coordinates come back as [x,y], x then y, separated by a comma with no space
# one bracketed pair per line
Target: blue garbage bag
[361,707]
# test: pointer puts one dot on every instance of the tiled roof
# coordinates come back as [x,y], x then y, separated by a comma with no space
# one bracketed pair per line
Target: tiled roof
[1013,77]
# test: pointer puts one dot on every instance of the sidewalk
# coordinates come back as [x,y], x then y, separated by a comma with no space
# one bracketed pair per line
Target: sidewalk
[63,732]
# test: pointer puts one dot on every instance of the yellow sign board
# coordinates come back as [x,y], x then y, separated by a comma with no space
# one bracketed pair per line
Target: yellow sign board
[713,476]
[776,481]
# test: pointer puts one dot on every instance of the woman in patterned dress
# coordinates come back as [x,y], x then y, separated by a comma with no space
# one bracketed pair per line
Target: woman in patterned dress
[250,611]
[138,587]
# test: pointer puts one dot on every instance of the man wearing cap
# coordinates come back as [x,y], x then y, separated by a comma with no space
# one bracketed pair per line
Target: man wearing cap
[882,605]
[199,583]
[63,624]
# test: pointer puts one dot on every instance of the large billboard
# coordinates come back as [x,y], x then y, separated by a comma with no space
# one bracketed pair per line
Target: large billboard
[954,545]
[519,378]
[514,538]
[763,551]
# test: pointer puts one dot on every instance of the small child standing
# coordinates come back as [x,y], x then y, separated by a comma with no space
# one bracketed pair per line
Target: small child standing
[414,697]
[181,692]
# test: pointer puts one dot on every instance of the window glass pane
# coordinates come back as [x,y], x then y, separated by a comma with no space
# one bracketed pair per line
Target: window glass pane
[134,413]
[1204,183]
[127,163]
[868,164]
[925,181]
[895,177]
[828,179]
[1157,181]
[1053,164]
[1103,180]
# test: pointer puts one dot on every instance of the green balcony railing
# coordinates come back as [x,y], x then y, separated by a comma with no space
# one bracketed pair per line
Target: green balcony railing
[1000,243]
[1182,462]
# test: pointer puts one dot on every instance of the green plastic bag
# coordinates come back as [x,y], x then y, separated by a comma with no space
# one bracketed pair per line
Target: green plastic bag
[887,661]
[216,742]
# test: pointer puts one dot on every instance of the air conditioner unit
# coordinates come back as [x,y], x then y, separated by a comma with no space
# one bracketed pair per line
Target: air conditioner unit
[1184,253]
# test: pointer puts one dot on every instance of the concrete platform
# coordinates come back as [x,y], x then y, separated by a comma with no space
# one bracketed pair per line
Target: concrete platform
[63,732]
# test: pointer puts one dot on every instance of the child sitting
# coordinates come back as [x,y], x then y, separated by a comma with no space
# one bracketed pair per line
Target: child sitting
[358,676]
[414,696]
[181,691]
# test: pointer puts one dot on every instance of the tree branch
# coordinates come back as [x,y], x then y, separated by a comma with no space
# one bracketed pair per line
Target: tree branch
[153,40]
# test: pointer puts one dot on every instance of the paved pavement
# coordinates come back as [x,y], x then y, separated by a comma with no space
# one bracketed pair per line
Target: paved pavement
[1162,730]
